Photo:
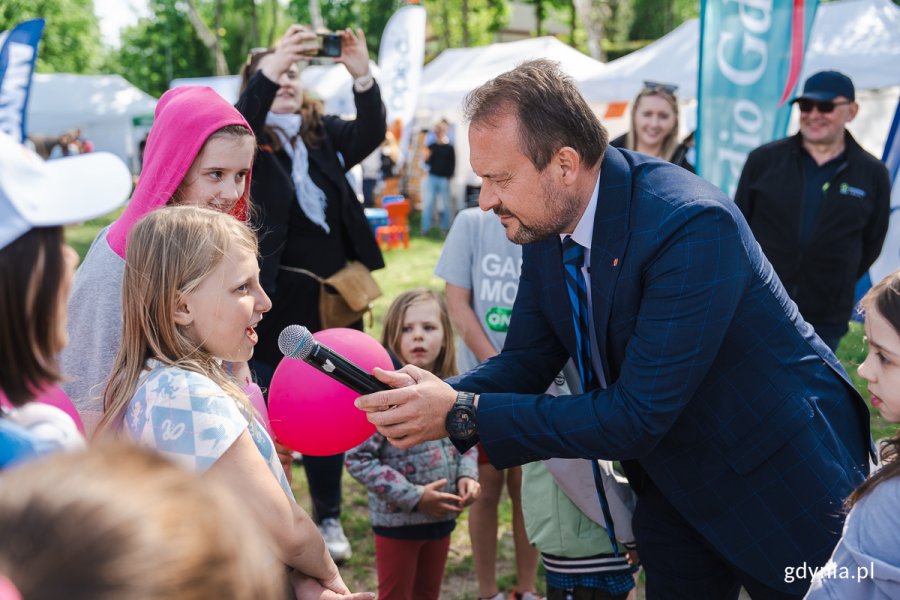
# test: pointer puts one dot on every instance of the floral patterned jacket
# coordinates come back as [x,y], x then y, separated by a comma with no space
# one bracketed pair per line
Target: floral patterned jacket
[396,478]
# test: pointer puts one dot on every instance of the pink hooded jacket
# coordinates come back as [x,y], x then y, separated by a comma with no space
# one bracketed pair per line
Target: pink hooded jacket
[185,117]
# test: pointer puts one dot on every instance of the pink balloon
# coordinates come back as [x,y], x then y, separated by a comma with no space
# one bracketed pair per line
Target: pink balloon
[314,414]
[259,403]
[54,396]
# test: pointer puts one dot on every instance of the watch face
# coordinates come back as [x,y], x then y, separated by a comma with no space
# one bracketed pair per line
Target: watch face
[461,423]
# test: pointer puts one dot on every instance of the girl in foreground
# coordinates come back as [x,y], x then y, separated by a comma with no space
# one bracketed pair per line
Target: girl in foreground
[191,299]
[866,561]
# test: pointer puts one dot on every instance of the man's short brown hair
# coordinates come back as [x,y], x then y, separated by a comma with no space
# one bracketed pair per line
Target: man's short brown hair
[551,112]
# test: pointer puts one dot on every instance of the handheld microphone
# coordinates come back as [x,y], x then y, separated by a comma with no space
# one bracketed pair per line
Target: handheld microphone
[295,341]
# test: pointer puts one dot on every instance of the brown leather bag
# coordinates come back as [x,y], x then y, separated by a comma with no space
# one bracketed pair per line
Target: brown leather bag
[345,296]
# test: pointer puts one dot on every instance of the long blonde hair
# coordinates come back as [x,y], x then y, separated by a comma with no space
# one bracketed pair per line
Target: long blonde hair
[670,142]
[119,522]
[170,252]
[445,363]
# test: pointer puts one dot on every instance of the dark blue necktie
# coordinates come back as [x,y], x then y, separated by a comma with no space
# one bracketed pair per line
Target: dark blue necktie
[573,259]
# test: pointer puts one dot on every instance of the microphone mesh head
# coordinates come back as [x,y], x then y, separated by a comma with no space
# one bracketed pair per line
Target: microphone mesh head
[295,341]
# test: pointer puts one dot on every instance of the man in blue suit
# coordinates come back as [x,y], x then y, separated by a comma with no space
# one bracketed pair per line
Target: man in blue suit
[737,426]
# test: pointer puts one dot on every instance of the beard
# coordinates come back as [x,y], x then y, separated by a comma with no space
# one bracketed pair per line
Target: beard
[561,211]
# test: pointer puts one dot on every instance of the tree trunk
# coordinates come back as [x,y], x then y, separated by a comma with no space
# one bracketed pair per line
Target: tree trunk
[445,17]
[217,28]
[254,25]
[573,22]
[593,13]
[539,17]
[273,31]
[209,38]
[465,23]
[315,15]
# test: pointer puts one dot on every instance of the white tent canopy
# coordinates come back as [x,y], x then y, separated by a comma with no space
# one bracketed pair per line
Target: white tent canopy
[104,107]
[858,37]
[455,72]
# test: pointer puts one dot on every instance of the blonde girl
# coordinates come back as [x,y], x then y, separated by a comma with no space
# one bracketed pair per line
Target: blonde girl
[415,495]
[191,299]
[869,548]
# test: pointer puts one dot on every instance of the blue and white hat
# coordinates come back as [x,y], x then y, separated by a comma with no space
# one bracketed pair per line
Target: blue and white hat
[38,193]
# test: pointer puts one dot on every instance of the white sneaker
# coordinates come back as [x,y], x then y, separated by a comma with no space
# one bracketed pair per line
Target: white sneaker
[335,540]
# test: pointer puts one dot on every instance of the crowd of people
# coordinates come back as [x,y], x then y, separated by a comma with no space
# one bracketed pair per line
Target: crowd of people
[645,365]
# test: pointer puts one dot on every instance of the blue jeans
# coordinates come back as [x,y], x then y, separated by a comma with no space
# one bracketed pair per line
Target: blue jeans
[436,187]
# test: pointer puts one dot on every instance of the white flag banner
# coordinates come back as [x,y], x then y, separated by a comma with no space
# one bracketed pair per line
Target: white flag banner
[400,59]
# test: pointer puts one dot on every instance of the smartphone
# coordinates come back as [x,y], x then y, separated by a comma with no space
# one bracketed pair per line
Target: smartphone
[329,45]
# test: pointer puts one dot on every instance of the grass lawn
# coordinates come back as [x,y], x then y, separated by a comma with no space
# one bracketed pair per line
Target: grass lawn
[413,268]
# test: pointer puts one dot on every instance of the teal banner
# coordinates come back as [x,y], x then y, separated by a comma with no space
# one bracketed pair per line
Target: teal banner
[751,52]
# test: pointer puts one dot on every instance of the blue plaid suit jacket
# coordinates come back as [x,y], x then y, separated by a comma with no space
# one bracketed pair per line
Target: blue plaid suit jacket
[731,404]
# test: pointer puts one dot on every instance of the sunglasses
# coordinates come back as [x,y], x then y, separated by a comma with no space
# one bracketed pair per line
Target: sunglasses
[655,86]
[823,106]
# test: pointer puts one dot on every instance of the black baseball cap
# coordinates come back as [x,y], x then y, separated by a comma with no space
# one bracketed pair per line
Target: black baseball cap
[827,85]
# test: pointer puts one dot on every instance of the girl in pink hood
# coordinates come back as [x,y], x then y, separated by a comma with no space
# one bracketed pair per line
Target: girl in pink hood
[199,153]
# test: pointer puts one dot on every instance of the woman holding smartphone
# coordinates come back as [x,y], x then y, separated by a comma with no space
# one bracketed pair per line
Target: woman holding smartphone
[310,219]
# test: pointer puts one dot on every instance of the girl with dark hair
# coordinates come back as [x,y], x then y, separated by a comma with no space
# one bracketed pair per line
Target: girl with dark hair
[36,270]
[869,548]
[311,222]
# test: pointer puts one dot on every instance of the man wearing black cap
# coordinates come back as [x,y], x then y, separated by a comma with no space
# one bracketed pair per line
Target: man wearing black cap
[819,205]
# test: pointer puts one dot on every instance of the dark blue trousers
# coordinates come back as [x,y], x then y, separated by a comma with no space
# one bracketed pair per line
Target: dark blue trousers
[680,564]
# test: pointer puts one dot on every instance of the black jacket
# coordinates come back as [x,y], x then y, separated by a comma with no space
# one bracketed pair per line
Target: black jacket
[286,235]
[848,234]
[678,158]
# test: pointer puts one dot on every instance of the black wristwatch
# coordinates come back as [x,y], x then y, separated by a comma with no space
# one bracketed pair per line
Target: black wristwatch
[461,422]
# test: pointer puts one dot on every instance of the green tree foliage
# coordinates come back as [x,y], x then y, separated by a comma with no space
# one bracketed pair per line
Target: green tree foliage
[160,48]
[71,41]
[655,18]
[370,15]
[166,46]
[543,9]
[450,22]
[620,20]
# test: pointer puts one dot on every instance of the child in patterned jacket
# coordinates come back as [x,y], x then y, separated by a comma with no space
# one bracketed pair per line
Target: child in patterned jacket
[415,495]
[191,299]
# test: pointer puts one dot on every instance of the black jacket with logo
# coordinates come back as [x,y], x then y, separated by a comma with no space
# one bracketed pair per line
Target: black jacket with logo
[849,230]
